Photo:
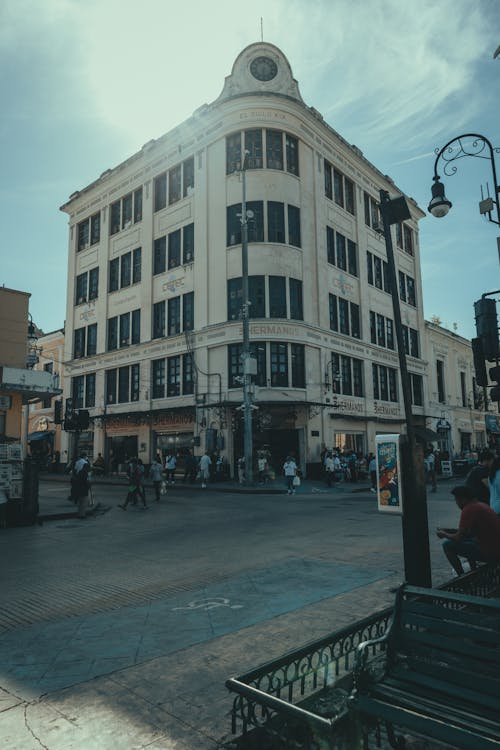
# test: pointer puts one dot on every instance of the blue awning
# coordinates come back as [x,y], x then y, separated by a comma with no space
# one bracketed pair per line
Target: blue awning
[41,435]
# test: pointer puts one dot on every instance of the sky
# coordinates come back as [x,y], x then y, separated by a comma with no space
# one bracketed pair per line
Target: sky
[85,83]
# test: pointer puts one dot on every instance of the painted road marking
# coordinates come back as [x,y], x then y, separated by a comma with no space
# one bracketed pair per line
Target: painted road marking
[206,604]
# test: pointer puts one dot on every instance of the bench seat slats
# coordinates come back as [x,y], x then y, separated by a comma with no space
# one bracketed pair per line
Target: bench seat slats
[419,681]
[454,627]
[480,652]
[460,736]
[476,617]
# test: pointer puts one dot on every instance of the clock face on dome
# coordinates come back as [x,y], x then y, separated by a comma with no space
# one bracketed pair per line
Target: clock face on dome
[263,68]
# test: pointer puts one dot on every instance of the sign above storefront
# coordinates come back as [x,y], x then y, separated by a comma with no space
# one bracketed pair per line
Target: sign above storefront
[5,402]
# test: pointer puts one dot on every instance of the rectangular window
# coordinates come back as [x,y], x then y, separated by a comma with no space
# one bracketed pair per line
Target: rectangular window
[174,184]
[258,351]
[136,326]
[187,176]
[349,196]
[463,389]
[111,386]
[126,270]
[385,277]
[389,329]
[160,192]
[158,378]
[115,217]
[292,154]
[188,311]
[95,229]
[123,385]
[369,264]
[279,365]
[328,180]
[298,366]
[188,244]
[234,365]
[340,246]
[233,153]
[416,389]
[344,316]
[174,249]
[352,258]
[330,245]
[90,390]
[257,294]
[372,216]
[275,222]
[187,374]
[81,289]
[383,383]
[296,306]
[174,316]
[377,267]
[253,144]
[334,320]
[277,297]
[406,341]
[234,298]
[160,255]
[440,381]
[338,188]
[410,288]
[399,235]
[91,340]
[402,286]
[376,390]
[373,327]
[274,149]
[136,265]
[355,321]
[114,274]
[93,283]
[77,392]
[255,222]
[408,239]
[127,211]
[393,384]
[414,348]
[174,376]
[134,382]
[124,329]
[79,348]
[112,334]
[357,377]
[233,225]
[159,320]
[294,226]
[346,375]
[138,205]
[380,330]
[83,234]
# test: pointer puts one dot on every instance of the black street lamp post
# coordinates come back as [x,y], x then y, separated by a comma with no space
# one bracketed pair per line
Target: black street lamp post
[458,148]
[414,520]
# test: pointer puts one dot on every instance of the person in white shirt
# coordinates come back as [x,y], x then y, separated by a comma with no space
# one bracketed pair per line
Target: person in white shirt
[329,469]
[290,470]
[205,464]
[170,467]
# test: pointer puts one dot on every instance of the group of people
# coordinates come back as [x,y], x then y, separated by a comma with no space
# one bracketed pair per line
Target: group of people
[477,538]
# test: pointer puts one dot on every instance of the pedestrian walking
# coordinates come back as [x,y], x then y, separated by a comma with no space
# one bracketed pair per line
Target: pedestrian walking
[290,471]
[372,468]
[135,478]
[205,464]
[329,469]
[430,468]
[170,467]
[241,470]
[189,467]
[263,469]
[80,484]
[156,475]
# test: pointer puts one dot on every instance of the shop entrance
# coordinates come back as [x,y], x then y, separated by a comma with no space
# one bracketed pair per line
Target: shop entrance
[119,450]
[277,444]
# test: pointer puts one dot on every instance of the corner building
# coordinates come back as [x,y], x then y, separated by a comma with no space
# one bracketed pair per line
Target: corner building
[154,334]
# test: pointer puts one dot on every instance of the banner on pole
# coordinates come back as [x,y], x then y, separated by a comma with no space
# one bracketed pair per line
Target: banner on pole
[389,488]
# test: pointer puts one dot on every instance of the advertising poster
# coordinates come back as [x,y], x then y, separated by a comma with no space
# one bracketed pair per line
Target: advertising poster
[389,493]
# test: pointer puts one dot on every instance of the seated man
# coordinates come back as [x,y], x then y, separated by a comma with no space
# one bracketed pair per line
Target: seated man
[478,535]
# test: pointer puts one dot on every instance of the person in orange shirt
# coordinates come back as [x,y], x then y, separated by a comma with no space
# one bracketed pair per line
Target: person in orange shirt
[478,535]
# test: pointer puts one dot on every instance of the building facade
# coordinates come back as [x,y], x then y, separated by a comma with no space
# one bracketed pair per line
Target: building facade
[457,407]
[153,323]
[44,435]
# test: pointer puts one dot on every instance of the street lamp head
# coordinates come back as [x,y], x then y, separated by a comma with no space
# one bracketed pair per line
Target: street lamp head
[439,205]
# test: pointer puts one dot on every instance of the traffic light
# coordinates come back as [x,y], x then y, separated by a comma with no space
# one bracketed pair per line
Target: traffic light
[487,327]
[479,363]
[58,406]
[69,415]
[495,377]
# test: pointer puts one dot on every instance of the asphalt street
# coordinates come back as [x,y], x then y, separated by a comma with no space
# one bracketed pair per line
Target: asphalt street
[163,604]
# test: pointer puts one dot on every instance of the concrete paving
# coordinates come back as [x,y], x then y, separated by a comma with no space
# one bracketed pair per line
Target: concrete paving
[151,674]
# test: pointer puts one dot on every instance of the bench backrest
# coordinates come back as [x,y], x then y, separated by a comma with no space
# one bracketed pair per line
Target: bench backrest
[449,642]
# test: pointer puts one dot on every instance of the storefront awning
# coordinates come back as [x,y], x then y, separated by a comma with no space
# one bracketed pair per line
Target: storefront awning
[428,436]
[41,435]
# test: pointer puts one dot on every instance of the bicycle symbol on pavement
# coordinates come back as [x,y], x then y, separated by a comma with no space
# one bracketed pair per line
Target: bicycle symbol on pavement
[206,604]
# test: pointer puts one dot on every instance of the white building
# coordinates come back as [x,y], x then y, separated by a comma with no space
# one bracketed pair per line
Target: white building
[154,283]
[456,408]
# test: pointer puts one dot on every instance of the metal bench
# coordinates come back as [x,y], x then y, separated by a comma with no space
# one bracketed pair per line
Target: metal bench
[439,674]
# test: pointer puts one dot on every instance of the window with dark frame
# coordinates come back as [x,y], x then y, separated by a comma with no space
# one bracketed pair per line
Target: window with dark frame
[233,153]
[174,249]
[330,245]
[136,265]
[160,255]
[253,144]
[124,325]
[298,368]
[333,312]
[234,298]
[279,364]
[277,297]
[123,385]
[114,274]
[125,270]
[112,334]
[90,390]
[292,154]
[93,283]
[111,381]
[416,389]
[328,179]
[188,243]
[344,316]
[136,326]
[187,374]
[188,311]
[160,192]
[296,304]
[79,343]
[78,392]
[174,316]
[275,222]
[187,176]
[340,249]
[174,184]
[92,340]
[159,321]
[440,381]
[274,149]
[294,226]
[174,376]
[81,288]
[134,382]
[257,294]
[158,378]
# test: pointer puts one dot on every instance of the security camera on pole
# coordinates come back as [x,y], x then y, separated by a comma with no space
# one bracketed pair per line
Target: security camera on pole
[249,363]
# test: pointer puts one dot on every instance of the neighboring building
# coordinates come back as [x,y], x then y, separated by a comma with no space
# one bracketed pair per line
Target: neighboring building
[153,336]
[43,434]
[456,409]
[18,382]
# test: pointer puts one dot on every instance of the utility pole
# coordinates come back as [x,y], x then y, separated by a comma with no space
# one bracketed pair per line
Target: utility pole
[247,361]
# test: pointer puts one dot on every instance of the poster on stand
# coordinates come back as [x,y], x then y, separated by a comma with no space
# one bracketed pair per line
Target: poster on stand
[389,488]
